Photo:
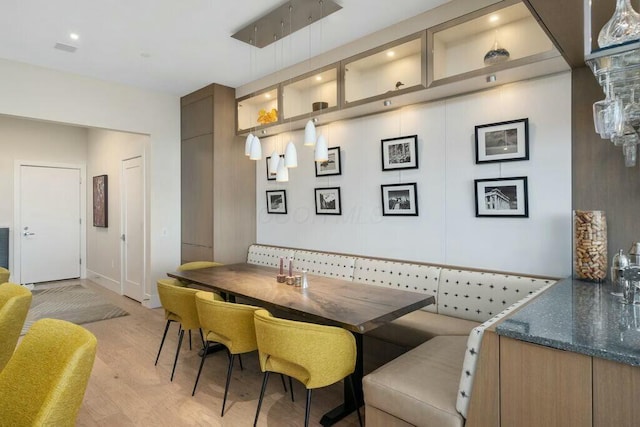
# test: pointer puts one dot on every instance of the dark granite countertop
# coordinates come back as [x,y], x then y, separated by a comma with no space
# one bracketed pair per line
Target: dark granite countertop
[582,317]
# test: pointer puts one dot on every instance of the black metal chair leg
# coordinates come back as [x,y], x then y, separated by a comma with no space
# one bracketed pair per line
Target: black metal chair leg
[204,356]
[291,388]
[265,378]
[355,399]
[166,328]
[283,383]
[308,408]
[226,387]
[177,353]
[190,339]
[240,359]
[202,338]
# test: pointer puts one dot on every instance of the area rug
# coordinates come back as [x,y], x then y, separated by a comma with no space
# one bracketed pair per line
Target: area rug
[73,303]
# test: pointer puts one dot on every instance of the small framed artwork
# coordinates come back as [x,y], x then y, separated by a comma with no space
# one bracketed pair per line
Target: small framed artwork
[331,166]
[277,202]
[100,201]
[400,199]
[400,153]
[271,176]
[502,142]
[328,201]
[505,197]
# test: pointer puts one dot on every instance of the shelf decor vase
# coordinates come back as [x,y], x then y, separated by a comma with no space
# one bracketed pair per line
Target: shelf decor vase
[623,26]
[497,54]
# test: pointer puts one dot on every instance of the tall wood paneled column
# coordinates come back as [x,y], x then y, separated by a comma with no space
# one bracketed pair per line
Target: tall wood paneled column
[218,183]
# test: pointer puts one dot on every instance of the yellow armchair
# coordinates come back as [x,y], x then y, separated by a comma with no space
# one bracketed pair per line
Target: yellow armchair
[15,301]
[44,382]
[179,306]
[229,324]
[315,355]
[4,275]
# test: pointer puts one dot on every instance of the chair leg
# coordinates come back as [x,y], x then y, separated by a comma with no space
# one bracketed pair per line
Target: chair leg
[284,385]
[355,399]
[240,359]
[190,339]
[204,356]
[166,328]
[226,387]
[265,378]
[202,337]
[177,353]
[291,388]
[308,408]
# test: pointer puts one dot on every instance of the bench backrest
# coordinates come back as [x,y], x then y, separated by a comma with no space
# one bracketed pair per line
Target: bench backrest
[399,275]
[325,264]
[268,256]
[474,343]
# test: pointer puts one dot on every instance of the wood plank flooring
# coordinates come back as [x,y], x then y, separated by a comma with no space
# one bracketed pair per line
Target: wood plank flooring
[126,389]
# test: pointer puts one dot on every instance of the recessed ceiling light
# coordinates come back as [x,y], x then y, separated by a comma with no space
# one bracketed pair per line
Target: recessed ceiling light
[390,53]
[74,36]
[494,18]
[318,78]
[267,95]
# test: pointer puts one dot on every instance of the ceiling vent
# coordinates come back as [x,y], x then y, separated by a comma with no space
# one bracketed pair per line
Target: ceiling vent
[65,47]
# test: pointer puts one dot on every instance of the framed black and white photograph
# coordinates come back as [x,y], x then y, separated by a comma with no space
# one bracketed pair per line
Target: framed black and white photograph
[400,199]
[277,202]
[328,201]
[400,153]
[332,165]
[271,176]
[502,142]
[502,197]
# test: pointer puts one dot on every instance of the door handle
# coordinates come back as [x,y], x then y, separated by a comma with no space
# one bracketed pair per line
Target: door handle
[28,233]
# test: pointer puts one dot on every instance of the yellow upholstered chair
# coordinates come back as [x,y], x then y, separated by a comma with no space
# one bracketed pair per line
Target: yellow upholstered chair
[15,301]
[4,275]
[315,355]
[229,324]
[194,265]
[44,382]
[179,305]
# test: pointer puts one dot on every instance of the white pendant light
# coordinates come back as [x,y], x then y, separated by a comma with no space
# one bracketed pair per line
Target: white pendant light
[247,145]
[310,134]
[322,150]
[291,156]
[273,163]
[283,172]
[256,149]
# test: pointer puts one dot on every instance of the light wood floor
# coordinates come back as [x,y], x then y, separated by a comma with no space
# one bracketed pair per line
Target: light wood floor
[126,389]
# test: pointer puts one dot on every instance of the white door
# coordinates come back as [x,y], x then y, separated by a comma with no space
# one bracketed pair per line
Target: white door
[49,223]
[133,228]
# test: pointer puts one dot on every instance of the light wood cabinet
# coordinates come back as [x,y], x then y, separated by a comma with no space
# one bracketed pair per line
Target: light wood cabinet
[217,180]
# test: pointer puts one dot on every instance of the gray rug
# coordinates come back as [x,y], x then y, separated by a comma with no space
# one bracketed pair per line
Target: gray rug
[73,303]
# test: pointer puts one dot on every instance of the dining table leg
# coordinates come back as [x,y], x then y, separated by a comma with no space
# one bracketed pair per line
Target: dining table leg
[349,405]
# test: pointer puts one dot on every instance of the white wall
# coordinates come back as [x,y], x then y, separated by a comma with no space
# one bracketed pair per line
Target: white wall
[446,230]
[106,151]
[34,92]
[30,140]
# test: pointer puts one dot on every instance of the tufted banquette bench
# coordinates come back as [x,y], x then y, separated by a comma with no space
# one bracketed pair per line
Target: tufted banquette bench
[431,384]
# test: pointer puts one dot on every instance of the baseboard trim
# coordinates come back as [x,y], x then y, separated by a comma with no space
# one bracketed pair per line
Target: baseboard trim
[104,281]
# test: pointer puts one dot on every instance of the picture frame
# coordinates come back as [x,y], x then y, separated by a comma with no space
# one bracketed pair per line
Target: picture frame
[328,201]
[503,141]
[271,177]
[400,199]
[399,153]
[502,197]
[101,201]
[277,202]
[333,166]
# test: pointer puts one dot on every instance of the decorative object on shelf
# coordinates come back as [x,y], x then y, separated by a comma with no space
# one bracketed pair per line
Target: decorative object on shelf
[277,202]
[321,152]
[328,201]
[101,201]
[400,199]
[502,197]
[319,106]
[400,153]
[270,176]
[332,165]
[398,84]
[617,116]
[266,117]
[496,54]
[590,245]
[623,26]
[503,141]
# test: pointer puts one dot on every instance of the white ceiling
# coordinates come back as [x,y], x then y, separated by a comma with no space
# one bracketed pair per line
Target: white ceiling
[178,46]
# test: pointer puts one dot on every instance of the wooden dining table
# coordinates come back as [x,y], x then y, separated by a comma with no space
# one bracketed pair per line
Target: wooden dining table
[356,307]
